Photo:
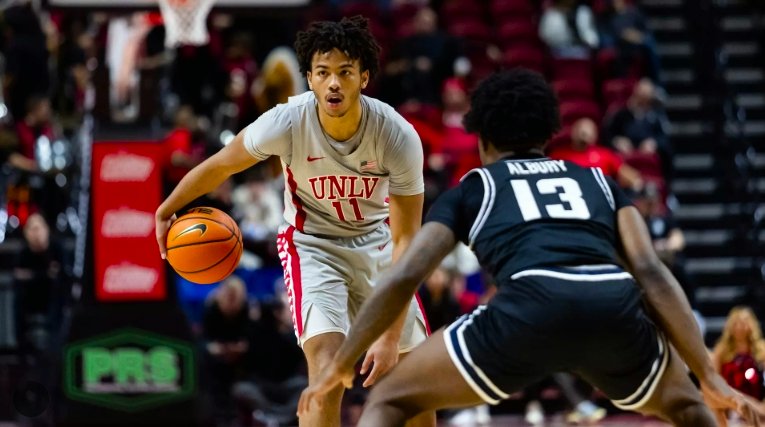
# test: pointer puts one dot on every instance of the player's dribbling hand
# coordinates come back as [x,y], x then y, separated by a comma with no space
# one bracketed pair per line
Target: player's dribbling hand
[721,398]
[381,357]
[161,226]
[327,381]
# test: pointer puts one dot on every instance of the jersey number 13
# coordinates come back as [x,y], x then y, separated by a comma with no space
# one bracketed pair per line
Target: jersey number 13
[569,193]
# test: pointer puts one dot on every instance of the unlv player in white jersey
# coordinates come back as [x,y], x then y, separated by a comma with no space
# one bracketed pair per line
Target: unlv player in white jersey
[353,200]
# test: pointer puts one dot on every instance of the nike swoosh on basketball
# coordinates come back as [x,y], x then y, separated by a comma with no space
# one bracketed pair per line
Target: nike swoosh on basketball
[311,159]
[200,227]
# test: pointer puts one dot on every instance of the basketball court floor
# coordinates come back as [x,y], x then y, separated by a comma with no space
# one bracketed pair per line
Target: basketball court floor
[559,421]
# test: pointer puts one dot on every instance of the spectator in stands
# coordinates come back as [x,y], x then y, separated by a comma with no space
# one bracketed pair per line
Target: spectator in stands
[34,124]
[38,276]
[26,55]
[585,152]
[637,132]
[420,63]
[198,78]
[30,189]
[259,206]
[459,146]
[225,327]
[668,239]
[449,150]
[125,49]
[276,368]
[8,145]
[279,79]
[241,70]
[568,28]
[740,352]
[624,27]
[74,92]
[182,150]
[220,198]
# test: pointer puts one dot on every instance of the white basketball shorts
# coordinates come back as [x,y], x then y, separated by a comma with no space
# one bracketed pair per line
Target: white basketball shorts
[327,280]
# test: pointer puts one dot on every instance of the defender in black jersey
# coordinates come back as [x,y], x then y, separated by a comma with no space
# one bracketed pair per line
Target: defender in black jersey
[570,255]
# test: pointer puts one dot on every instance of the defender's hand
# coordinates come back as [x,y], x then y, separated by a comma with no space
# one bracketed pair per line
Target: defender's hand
[381,357]
[720,398]
[161,226]
[328,381]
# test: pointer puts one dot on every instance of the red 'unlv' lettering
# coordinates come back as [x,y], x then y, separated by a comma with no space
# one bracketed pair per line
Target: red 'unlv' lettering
[334,187]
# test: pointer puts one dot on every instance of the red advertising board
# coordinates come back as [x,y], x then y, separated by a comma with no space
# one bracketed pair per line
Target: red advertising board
[126,191]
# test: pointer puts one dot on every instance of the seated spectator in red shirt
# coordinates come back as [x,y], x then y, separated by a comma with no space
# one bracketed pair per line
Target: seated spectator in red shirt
[585,152]
[459,146]
[182,153]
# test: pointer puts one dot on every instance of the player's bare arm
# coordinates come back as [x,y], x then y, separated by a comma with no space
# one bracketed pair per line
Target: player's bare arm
[430,245]
[405,217]
[672,311]
[204,178]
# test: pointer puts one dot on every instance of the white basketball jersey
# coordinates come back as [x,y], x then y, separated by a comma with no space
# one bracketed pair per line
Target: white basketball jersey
[329,192]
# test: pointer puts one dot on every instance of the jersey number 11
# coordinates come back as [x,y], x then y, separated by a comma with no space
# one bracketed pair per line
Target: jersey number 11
[356,209]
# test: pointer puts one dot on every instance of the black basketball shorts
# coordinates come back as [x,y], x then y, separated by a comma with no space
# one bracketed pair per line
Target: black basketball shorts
[586,320]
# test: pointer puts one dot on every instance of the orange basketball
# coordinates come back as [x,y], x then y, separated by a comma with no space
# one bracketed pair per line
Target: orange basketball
[204,245]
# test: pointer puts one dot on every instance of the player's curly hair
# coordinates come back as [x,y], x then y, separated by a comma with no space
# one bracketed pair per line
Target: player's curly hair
[350,35]
[513,110]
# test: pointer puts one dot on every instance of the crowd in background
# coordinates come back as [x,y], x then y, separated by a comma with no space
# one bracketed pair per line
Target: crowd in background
[599,56]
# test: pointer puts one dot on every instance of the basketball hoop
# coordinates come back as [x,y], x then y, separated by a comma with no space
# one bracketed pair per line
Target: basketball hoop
[185,21]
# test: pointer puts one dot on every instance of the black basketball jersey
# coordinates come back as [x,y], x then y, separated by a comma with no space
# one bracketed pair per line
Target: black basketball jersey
[523,213]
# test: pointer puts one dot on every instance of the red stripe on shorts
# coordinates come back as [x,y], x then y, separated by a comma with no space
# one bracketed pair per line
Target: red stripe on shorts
[292,276]
[422,310]
[300,215]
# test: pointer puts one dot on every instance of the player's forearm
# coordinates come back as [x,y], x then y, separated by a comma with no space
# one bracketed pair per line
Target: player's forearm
[207,176]
[380,311]
[393,333]
[392,295]
[199,181]
[673,313]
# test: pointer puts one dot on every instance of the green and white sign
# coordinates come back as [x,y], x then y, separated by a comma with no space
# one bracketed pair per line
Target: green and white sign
[129,370]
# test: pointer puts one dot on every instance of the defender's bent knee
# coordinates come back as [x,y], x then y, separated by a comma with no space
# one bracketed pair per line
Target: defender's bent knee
[693,414]
[383,401]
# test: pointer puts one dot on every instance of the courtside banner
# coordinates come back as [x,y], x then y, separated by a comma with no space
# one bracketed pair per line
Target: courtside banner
[126,191]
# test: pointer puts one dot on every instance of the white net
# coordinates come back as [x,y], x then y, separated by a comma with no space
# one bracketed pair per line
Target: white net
[185,21]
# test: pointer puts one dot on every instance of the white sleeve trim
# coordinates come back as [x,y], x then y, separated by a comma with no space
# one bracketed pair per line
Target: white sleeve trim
[601,179]
[489,194]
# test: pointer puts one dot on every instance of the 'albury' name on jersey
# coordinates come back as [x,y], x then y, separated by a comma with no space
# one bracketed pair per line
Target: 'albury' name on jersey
[333,187]
[530,168]
[338,188]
